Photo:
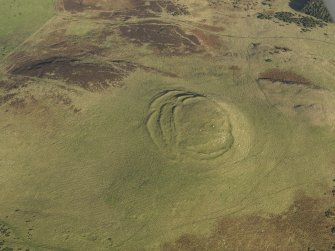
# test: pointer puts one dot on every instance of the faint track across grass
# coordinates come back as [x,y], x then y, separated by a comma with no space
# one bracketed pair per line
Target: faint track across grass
[31,37]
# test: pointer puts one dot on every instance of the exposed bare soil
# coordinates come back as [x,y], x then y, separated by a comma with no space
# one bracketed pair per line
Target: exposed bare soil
[167,38]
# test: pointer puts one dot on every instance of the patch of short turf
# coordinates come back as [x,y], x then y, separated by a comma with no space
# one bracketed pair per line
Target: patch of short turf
[11,240]
[19,19]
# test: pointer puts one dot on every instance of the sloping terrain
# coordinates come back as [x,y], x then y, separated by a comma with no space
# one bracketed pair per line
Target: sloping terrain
[168,125]
[19,19]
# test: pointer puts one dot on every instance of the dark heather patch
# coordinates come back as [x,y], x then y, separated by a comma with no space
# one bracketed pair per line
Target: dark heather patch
[5,98]
[74,5]
[139,10]
[90,76]
[12,84]
[167,38]
[131,8]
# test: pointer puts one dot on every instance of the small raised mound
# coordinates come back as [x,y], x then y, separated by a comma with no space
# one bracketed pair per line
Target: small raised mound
[185,123]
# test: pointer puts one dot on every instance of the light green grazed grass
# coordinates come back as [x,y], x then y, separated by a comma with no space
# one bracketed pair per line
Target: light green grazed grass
[19,19]
[102,163]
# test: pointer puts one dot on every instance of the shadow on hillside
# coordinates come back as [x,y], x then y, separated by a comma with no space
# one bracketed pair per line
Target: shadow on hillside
[298,4]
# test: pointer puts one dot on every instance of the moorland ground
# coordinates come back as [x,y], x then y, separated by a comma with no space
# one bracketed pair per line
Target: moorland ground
[19,19]
[166,125]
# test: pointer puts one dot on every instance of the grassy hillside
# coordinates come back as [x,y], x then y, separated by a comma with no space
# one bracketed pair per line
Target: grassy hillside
[169,125]
[20,18]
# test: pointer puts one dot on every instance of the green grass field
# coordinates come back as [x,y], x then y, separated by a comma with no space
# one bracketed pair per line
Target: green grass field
[19,19]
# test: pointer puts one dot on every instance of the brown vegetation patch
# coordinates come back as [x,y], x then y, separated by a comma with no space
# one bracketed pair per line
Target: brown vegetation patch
[18,103]
[259,49]
[305,226]
[300,100]
[71,45]
[233,5]
[56,44]
[234,68]
[208,40]
[143,9]
[73,5]
[11,84]
[142,12]
[172,8]
[29,101]
[82,5]
[89,76]
[211,27]
[138,8]
[285,77]
[167,38]
[5,98]
[10,88]
[281,49]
